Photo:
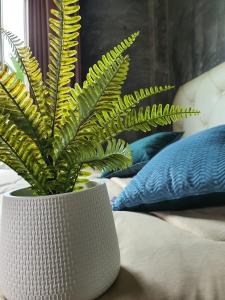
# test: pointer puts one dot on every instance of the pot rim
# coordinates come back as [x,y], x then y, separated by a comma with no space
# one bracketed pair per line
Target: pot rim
[95,185]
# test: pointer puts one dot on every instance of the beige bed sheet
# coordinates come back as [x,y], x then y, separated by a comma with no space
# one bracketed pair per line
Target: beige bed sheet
[162,261]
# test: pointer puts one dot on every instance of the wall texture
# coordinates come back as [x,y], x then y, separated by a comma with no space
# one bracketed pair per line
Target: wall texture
[197,28]
[179,39]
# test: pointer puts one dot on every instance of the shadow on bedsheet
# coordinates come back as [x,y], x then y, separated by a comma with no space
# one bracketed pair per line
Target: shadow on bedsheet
[129,287]
[126,286]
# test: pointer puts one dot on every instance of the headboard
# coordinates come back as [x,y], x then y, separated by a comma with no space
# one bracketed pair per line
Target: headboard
[207,93]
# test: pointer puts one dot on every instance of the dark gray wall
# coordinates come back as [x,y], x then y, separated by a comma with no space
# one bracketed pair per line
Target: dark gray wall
[197,41]
[105,23]
[179,39]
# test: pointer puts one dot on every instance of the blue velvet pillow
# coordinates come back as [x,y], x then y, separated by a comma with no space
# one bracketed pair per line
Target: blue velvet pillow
[143,150]
[188,173]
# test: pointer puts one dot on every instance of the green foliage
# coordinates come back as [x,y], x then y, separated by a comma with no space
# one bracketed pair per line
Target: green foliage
[15,67]
[51,132]
[20,152]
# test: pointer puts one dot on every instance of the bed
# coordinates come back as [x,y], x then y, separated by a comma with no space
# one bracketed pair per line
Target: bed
[177,255]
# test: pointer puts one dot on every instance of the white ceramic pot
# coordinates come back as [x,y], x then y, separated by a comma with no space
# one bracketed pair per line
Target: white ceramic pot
[60,247]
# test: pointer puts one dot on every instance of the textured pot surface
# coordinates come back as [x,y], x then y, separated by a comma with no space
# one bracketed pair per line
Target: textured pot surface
[58,247]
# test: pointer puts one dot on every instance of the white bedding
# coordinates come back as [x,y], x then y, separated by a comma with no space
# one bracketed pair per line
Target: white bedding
[9,180]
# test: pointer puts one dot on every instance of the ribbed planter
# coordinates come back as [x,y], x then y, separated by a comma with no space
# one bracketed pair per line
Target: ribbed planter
[58,247]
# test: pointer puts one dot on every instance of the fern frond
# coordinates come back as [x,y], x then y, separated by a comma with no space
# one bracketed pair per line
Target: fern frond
[143,120]
[14,114]
[81,179]
[11,160]
[102,87]
[65,134]
[90,101]
[115,155]
[110,57]
[109,80]
[18,98]
[107,60]
[144,93]
[113,90]
[19,151]
[133,99]
[66,177]
[70,177]
[65,27]
[123,105]
[90,95]
[30,66]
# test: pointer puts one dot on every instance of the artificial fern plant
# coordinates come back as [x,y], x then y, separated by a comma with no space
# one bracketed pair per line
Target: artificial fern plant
[49,131]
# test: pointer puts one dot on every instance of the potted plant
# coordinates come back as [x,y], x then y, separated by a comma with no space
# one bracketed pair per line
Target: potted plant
[58,239]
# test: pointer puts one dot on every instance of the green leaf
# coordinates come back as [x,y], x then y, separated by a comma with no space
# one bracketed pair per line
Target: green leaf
[15,97]
[93,95]
[18,151]
[115,155]
[92,98]
[30,66]
[63,38]
[121,107]
[109,58]
[143,120]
